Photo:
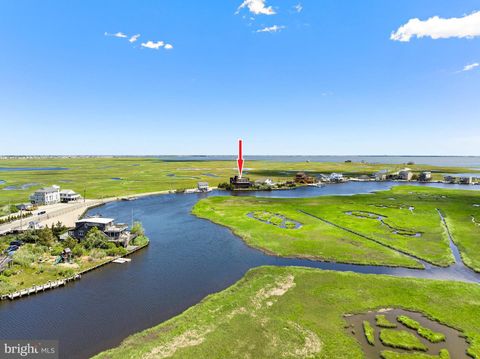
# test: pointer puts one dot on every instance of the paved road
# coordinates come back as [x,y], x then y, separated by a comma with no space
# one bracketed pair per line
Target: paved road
[67,213]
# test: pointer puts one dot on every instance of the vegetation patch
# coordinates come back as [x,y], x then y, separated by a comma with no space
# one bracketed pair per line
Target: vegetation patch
[401,339]
[383,322]
[369,332]
[275,219]
[328,234]
[427,333]
[299,312]
[386,354]
[42,257]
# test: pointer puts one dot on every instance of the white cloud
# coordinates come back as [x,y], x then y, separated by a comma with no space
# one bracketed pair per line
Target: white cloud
[298,7]
[257,7]
[134,38]
[153,45]
[118,34]
[470,67]
[168,46]
[274,28]
[439,28]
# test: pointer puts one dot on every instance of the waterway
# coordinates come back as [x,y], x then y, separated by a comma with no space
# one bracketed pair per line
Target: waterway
[188,258]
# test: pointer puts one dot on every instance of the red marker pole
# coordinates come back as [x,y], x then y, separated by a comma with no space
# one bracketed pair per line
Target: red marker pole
[240,159]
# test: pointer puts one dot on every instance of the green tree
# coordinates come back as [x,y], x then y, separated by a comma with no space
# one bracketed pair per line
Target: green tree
[137,229]
[95,239]
[45,237]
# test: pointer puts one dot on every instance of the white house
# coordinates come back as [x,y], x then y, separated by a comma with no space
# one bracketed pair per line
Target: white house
[202,186]
[336,177]
[67,195]
[380,175]
[47,195]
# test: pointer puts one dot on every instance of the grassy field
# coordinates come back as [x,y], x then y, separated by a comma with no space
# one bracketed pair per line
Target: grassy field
[403,218]
[292,312]
[110,177]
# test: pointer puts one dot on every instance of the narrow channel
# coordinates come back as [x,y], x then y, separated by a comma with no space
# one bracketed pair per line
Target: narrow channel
[188,259]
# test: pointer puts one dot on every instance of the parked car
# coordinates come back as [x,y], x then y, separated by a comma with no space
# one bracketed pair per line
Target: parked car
[41,212]
[12,248]
[16,243]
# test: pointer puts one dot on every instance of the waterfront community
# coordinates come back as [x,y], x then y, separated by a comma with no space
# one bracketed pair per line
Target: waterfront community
[245,179]
[424,226]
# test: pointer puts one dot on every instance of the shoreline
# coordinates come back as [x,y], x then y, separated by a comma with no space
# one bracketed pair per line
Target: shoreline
[36,289]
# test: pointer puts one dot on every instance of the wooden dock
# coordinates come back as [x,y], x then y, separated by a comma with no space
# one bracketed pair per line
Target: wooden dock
[62,282]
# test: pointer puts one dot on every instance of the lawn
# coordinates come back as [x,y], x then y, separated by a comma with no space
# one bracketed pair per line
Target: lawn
[111,177]
[386,224]
[278,312]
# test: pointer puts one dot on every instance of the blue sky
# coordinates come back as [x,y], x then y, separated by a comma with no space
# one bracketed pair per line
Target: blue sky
[330,80]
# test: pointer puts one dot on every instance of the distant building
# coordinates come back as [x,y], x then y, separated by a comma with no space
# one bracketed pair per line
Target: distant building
[466,180]
[67,196]
[336,177]
[323,178]
[450,179]
[425,176]
[47,195]
[114,232]
[240,182]
[303,178]
[380,175]
[405,174]
[267,182]
[202,186]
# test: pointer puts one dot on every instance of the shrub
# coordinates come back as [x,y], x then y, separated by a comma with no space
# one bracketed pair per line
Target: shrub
[78,250]
[96,253]
[137,229]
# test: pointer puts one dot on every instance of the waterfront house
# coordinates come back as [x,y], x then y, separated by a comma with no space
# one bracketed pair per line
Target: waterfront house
[323,178]
[46,195]
[67,196]
[380,175]
[202,186]
[405,174]
[240,183]
[303,178]
[336,177]
[466,180]
[449,179]
[115,232]
[425,176]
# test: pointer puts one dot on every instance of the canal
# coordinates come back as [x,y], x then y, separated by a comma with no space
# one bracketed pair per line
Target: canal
[188,259]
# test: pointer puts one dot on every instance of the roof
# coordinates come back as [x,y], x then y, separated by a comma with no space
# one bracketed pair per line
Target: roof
[47,190]
[67,191]
[203,184]
[97,220]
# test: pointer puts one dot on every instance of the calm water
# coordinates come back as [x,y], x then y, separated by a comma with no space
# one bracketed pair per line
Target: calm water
[188,259]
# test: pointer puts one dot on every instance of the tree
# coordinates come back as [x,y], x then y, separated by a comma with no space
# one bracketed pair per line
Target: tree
[45,237]
[58,229]
[95,239]
[137,229]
